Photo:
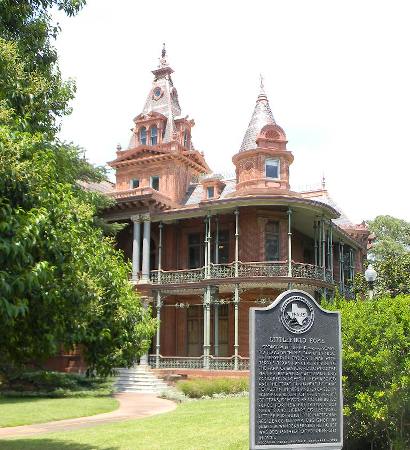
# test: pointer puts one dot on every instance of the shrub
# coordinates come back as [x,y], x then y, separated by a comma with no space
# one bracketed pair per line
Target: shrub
[55,384]
[206,387]
[376,371]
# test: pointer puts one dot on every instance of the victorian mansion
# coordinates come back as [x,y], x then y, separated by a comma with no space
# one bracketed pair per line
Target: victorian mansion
[204,249]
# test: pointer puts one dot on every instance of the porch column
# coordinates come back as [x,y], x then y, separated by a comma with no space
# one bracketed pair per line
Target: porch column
[236,317]
[216,329]
[206,248]
[209,245]
[216,305]
[323,249]
[289,243]
[136,251]
[236,242]
[331,250]
[144,357]
[158,337]
[146,240]
[207,324]
[341,267]
[160,226]
[316,246]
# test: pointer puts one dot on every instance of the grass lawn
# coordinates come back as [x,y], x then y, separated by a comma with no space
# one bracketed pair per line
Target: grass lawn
[204,424]
[26,410]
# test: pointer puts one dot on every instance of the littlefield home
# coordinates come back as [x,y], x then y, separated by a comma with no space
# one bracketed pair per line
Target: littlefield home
[205,248]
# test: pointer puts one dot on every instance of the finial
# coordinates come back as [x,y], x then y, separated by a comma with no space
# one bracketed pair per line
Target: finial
[323,182]
[118,147]
[164,52]
[262,86]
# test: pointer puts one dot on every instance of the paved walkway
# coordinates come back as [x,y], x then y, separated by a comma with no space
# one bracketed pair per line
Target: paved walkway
[132,406]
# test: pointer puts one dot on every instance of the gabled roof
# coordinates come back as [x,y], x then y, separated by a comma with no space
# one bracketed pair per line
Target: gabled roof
[262,116]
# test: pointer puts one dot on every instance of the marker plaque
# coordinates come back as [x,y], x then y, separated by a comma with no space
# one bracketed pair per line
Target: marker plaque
[295,365]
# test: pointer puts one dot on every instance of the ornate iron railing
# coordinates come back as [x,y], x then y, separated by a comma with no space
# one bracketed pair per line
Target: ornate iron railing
[198,362]
[177,276]
[245,270]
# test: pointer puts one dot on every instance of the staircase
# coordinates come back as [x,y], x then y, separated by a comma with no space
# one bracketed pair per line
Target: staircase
[139,379]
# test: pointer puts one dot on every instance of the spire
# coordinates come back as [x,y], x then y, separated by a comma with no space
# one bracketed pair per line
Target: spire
[262,115]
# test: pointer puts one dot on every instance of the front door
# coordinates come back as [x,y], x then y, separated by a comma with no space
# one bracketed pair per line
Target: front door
[195,320]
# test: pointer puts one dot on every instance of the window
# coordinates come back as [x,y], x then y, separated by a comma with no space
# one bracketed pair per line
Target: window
[134,183]
[222,248]
[272,241]
[155,183]
[143,136]
[185,138]
[272,168]
[154,135]
[195,251]
[210,192]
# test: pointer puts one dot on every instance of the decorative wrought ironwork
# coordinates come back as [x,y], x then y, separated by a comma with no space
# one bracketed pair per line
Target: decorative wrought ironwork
[181,305]
[245,270]
[263,269]
[177,276]
[197,362]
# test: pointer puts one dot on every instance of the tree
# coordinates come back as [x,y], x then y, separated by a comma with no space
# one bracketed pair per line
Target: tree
[376,371]
[61,280]
[391,237]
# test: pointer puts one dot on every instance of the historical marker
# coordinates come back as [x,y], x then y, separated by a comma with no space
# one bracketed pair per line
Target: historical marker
[296,370]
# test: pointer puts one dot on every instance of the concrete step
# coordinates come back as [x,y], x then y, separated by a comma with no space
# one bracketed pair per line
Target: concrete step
[139,379]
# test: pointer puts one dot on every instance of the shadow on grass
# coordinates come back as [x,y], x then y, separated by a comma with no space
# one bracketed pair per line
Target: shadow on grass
[47,444]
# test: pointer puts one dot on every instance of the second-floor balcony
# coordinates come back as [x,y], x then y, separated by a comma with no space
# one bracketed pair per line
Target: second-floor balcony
[243,270]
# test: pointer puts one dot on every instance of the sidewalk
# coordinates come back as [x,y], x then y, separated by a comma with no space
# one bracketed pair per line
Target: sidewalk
[132,406]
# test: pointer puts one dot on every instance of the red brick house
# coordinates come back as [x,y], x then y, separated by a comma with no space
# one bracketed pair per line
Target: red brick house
[204,249]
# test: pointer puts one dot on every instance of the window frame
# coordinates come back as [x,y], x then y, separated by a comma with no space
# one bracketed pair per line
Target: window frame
[151,181]
[277,160]
[270,235]
[132,183]
[212,188]
[140,136]
[151,136]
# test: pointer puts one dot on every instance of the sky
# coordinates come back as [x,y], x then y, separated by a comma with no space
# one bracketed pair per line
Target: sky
[337,75]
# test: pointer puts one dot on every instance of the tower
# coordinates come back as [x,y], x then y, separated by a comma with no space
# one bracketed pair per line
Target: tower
[160,157]
[262,163]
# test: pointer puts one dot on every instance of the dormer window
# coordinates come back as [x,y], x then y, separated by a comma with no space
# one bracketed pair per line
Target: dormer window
[272,168]
[155,182]
[210,192]
[143,136]
[154,135]
[134,183]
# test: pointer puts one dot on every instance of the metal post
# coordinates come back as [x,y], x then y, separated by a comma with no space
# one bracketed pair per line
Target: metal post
[206,247]
[207,305]
[209,245]
[236,338]
[342,268]
[160,252]
[158,342]
[136,251]
[216,240]
[316,246]
[331,250]
[146,240]
[323,249]
[236,242]
[289,243]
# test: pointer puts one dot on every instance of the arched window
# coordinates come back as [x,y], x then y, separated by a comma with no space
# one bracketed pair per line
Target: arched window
[272,241]
[143,136]
[154,135]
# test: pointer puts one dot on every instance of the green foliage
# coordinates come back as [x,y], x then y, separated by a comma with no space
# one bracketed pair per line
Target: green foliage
[376,369]
[62,283]
[391,237]
[44,383]
[206,387]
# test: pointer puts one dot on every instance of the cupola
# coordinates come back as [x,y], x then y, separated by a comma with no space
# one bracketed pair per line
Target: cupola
[262,163]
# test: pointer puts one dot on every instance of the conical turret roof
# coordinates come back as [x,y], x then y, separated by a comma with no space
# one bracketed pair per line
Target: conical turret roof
[262,115]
